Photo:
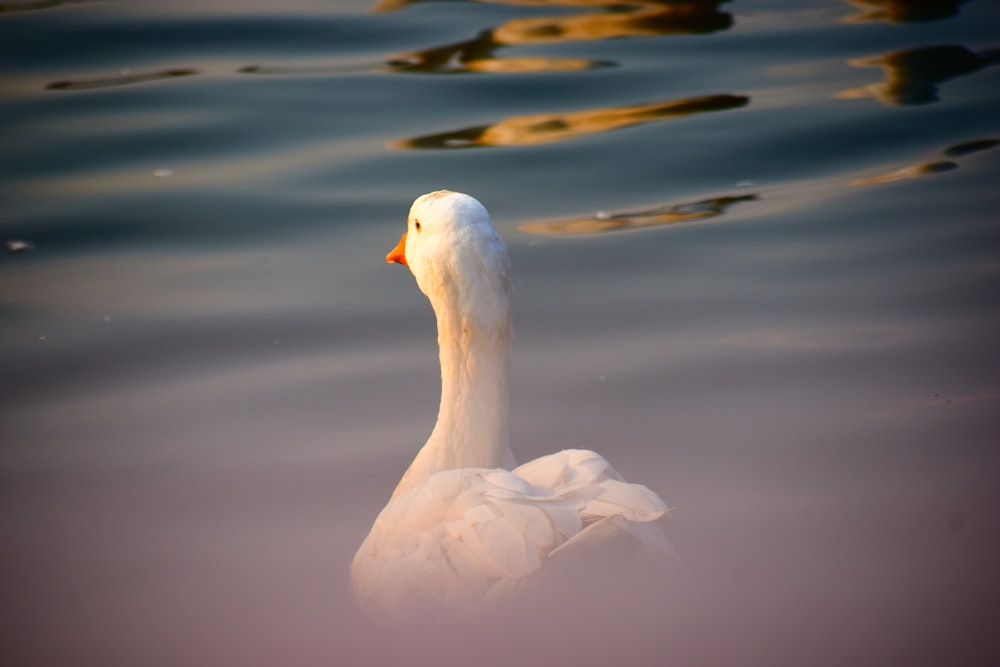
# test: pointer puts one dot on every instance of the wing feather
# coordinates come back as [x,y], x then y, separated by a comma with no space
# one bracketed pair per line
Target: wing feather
[467,535]
[631,501]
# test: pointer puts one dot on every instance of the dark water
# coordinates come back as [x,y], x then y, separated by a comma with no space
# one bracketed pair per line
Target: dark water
[757,265]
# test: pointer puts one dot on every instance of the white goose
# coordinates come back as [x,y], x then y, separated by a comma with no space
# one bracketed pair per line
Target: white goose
[464,526]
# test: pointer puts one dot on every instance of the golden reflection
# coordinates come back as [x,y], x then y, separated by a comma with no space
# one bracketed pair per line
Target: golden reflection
[546,128]
[931,167]
[123,79]
[912,76]
[903,11]
[532,64]
[647,19]
[475,55]
[641,18]
[912,171]
[437,61]
[652,217]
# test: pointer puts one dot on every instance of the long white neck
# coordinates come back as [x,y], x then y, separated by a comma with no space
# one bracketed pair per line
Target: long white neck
[471,428]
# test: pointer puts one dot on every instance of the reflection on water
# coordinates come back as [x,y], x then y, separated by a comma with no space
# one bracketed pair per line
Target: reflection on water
[546,128]
[449,59]
[912,76]
[643,18]
[648,18]
[35,4]
[969,147]
[533,64]
[912,171]
[637,19]
[929,167]
[17,245]
[903,11]
[299,70]
[652,217]
[124,78]
[475,55]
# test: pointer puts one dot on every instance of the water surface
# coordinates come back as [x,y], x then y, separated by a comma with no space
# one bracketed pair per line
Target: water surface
[755,248]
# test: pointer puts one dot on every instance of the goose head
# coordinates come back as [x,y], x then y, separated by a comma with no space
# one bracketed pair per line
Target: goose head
[457,258]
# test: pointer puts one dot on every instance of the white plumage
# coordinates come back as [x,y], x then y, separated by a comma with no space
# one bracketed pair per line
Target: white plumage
[461,531]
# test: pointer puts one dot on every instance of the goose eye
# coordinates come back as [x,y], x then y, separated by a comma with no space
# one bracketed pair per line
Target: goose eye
[416,225]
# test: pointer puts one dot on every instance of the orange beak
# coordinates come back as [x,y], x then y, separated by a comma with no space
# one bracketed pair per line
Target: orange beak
[398,254]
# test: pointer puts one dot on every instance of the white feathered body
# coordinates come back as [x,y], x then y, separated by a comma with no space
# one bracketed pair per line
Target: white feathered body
[471,535]
[460,530]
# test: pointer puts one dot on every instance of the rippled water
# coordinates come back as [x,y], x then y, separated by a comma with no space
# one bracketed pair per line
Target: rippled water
[756,256]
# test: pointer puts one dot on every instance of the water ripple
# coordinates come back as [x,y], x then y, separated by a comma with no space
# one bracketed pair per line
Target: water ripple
[124,78]
[930,167]
[651,217]
[546,128]
[913,76]
[969,147]
[645,18]
[33,5]
[903,11]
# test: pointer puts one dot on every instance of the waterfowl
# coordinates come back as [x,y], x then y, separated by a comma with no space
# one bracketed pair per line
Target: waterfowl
[466,526]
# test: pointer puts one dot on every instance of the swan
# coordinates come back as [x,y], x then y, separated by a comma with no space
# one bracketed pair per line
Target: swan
[466,526]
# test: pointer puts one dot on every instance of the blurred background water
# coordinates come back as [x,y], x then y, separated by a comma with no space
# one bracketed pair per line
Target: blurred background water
[755,247]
